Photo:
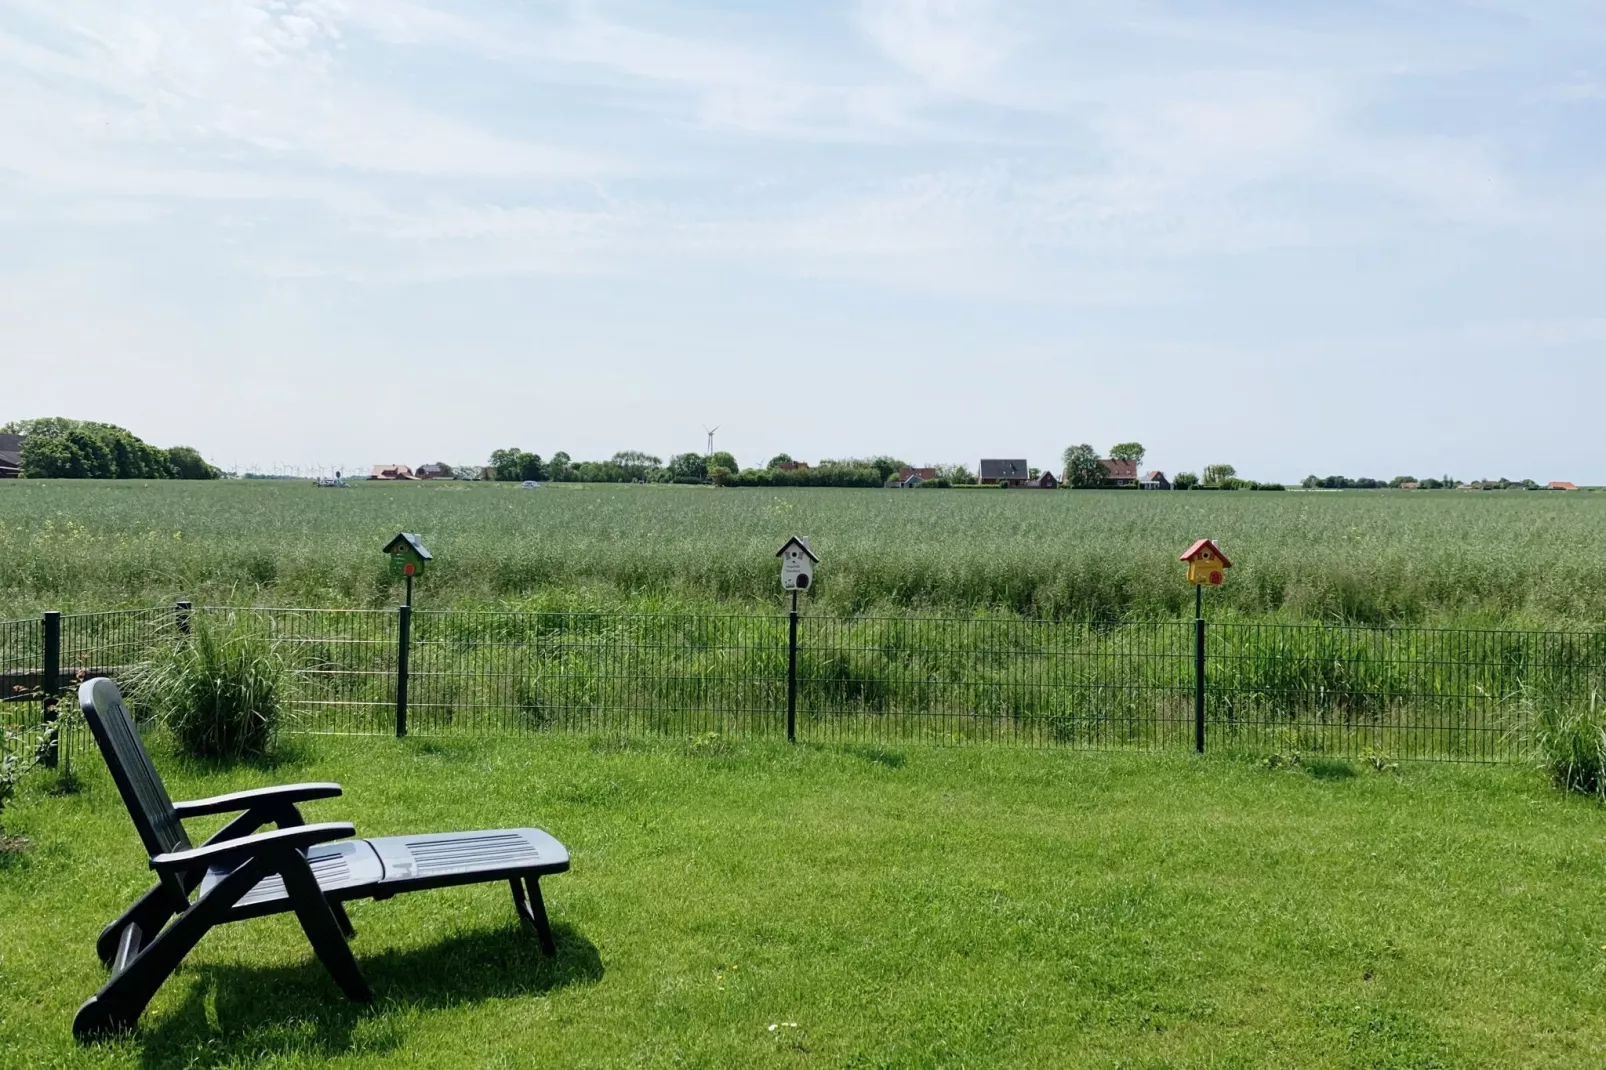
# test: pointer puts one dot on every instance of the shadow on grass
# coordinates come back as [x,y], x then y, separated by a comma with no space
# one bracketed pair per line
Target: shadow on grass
[237,1015]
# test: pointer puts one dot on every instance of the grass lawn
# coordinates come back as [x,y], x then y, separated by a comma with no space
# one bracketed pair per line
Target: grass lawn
[755,905]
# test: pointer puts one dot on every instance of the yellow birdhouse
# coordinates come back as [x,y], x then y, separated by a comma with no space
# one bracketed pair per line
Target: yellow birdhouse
[1207,565]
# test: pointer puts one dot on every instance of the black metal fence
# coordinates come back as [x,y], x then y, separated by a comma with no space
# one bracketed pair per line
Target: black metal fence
[1265,688]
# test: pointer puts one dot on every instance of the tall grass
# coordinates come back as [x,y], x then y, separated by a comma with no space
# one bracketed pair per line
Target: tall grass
[1366,558]
[218,689]
[1567,740]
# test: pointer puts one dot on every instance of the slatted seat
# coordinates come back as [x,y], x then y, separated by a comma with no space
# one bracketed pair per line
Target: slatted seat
[348,867]
[311,870]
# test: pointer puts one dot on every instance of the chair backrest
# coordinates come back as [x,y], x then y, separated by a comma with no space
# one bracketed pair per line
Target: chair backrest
[147,800]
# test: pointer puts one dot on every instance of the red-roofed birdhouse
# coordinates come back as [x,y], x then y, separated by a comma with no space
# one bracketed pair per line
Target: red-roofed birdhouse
[1207,565]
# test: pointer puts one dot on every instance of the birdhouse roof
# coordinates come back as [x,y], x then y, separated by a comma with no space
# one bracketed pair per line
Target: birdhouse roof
[1206,544]
[410,543]
[801,545]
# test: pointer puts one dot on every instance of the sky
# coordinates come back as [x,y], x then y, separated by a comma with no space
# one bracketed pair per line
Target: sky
[1362,237]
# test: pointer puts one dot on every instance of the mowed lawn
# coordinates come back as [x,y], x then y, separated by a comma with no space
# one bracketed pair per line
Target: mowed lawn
[759,905]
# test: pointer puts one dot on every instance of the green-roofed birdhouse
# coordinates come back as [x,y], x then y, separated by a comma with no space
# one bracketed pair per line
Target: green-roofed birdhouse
[407,555]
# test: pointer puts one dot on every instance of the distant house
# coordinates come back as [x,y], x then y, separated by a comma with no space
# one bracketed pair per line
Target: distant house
[1410,486]
[1563,485]
[924,473]
[392,471]
[435,470]
[1155,480]
[1119,473]
[1045,481]
[794,466]
[1008,472]
[10,456]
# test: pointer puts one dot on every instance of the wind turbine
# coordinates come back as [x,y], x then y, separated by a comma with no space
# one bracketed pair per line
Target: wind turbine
[710,431]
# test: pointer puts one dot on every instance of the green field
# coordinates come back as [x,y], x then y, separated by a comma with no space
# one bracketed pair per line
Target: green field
[1460,558]
[754,905]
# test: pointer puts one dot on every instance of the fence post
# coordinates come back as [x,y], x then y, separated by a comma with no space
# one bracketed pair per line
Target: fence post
[791,676]
[50,685]
[405,617]
[1199,684]
[181,617]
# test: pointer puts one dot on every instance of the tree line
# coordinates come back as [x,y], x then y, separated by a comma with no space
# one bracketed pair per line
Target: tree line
[720,468]
[58,448]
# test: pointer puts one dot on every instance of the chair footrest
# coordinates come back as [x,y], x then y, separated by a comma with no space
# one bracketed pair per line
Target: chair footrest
[439,859]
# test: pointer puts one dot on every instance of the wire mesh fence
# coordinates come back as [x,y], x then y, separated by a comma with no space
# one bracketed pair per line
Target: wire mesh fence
[1268,688]
[22,688]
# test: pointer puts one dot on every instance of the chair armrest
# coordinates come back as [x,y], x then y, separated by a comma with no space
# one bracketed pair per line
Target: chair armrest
[284,794]
[297,838]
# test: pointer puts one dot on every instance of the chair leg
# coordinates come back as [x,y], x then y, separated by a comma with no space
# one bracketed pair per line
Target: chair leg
[338,909]
[317,916]
[121,1000]
[150,912]
[532,911]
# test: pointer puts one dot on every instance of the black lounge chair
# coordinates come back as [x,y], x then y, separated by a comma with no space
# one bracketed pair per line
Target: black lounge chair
[242,873]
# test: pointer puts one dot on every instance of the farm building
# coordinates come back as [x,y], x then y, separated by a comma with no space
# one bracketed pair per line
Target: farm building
[1119,473]
[392,471]
[434,470]
[1044,481]
[1012,473]
[1563,485]
[924,473]
[794,466]
[10,456]
[1155,480]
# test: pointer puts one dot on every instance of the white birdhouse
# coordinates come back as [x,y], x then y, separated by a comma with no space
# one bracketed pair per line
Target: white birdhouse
[797,564]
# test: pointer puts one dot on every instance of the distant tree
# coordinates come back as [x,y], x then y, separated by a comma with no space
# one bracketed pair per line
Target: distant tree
[59,448]
[1082,467]
[883,466]
[719,475]
[509,464]
[954,474]
[1217,474]
[636,464]
[1400,481]
[721,459]
[188,463]
[688,466]
[560,467]
[778,460]
[1186,481]
[1128,451]
[531,468]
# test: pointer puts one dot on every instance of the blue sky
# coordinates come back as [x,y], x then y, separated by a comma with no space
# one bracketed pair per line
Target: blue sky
[1361,237]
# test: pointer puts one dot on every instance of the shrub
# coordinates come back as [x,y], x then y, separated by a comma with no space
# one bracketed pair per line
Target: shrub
[218,690]
[1569,742]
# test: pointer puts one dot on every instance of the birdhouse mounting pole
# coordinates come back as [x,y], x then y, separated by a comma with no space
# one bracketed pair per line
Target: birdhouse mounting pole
[1198,670]
[791,674]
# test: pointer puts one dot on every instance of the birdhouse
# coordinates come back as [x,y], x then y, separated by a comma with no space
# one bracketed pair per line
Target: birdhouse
[407,555]
[797,564]
[1207,565]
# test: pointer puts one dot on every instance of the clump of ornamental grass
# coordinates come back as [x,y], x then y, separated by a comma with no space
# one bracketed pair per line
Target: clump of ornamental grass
[1568,741]
[218,689]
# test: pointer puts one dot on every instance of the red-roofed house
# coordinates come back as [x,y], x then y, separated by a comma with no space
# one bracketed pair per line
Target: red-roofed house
[1119,473]
[1564,486]
[392,471]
